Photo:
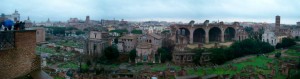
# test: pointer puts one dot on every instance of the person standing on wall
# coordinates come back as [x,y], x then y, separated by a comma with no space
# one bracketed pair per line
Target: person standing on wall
[17,25]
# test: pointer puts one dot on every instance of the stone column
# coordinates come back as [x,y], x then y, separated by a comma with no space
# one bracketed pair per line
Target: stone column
[207,36]
[191,36]
[222,35]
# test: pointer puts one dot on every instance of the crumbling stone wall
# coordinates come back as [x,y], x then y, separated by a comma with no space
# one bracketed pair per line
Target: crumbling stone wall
[18,61]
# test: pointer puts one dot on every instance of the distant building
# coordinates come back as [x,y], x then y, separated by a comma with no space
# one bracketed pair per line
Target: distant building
[47,23]
[145,53]
[147,47]
[269,37]
[281,31]
[129,42]
[241,35]
[298,23]
[296,32]
[87,19]
[28,23]
[107,23]
[95,44]
[14,16]
[154,39]
[40,34]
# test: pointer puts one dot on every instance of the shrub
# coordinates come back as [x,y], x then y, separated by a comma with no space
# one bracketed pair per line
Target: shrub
[277,55]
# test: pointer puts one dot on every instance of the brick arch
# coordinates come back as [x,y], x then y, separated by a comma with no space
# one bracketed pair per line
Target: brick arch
[229,33]
[215,34]
[181,31]
[199,35]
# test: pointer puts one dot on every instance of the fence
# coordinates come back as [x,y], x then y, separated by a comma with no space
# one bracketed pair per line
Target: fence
[7,40]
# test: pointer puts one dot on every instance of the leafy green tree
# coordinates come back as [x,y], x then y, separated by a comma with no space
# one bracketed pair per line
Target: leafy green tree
[297,38]
[286,42]
[165,56]
[132,55]
[111,53]
[57,49]
[165,31]
[88,63]
[57,30]
[168,45]
[278,45]
[198,52]
[265,47]
[254,35]
[71,28]
[250,46]
[137,31]
[248,29]
[79,32]
[120,31]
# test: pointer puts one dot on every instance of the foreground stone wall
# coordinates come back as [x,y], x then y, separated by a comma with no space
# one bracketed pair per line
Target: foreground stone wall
[19,60]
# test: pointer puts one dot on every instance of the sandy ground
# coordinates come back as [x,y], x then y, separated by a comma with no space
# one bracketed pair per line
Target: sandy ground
[210,45]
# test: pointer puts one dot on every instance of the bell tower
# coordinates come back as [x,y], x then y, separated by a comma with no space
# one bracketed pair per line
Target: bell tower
[277,23]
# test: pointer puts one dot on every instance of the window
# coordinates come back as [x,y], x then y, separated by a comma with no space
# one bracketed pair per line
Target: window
[95,46]
[95,34]
[272,41]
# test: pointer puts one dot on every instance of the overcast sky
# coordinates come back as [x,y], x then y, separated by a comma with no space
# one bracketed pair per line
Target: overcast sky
[170,10]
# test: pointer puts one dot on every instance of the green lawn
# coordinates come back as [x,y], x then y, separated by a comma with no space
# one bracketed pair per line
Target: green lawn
[292,52]
[71,65]
[57,77]
[69,43]
[45,50]
[260,62]
[157,68]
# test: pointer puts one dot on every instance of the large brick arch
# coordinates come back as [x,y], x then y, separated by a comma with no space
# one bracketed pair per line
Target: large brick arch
[229,33]
[215,34]
[199,35]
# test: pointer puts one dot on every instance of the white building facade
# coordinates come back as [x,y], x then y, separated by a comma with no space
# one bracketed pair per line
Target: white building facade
[270,37]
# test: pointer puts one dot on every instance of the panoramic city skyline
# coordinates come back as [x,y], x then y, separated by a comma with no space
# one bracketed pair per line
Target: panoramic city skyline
[161,10]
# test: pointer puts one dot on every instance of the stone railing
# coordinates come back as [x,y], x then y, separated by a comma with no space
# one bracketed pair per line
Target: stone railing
[7,40]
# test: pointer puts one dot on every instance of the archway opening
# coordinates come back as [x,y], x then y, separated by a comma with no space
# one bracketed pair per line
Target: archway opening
[229,34]
[182,32]
[199,36]
[215,34]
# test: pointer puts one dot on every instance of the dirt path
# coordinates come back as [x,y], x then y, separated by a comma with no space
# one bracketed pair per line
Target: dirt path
[283,54]
[242,59]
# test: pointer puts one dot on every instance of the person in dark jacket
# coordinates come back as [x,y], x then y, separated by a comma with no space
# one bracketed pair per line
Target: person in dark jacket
[1,26]
[22,25]
[17,25]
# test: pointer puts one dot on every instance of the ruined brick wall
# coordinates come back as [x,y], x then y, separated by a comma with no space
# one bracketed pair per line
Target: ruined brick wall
[18,61]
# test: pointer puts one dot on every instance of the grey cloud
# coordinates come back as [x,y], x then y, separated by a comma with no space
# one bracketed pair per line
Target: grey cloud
[229,10]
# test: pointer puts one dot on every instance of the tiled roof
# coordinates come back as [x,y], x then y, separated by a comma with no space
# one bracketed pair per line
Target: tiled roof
[155,36]
[129,36]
